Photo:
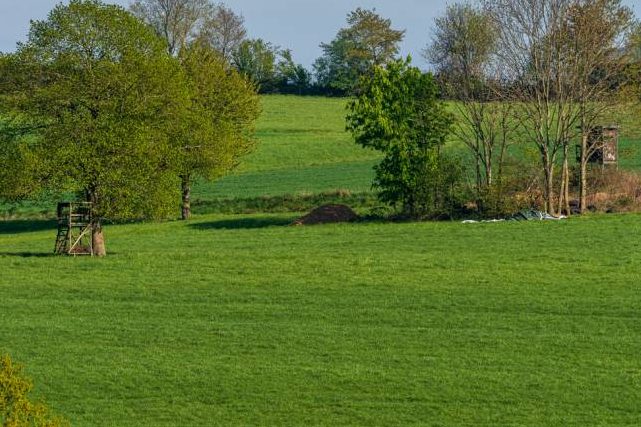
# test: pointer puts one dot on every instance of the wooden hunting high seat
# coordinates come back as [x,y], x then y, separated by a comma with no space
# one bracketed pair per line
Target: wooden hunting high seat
[74,229]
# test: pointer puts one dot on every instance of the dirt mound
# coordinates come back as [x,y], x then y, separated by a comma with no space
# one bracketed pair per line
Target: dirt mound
[328,214]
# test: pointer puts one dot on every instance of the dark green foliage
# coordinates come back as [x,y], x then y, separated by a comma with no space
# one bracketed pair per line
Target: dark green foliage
[256,60]
[271,69]
[368,41]
[292,77]
[398,114]
[16,407]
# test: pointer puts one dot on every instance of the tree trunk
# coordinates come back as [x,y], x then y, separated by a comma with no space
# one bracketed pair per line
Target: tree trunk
[479,187]
[98,240]
[583,175]
[583,190]
[549,189]
[564,194]
[97,236]
[186,196]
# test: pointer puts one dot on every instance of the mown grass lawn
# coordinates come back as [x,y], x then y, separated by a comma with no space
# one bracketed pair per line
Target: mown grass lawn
[241,320]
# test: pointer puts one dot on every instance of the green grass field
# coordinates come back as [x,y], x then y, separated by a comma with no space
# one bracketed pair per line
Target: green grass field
[237,320]
[304,148]
[242,320]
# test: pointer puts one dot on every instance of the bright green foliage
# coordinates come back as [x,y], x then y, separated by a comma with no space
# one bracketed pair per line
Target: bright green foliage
[218,126]
[89,96]
[222,114]
[368,41]
[398,113]
[16,409]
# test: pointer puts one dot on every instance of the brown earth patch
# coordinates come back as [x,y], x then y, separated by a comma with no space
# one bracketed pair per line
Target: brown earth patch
[328,214]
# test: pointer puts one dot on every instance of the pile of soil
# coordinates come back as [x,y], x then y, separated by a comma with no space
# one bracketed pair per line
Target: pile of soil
[328,214]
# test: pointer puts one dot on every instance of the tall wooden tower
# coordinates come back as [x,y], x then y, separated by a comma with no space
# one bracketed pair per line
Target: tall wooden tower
[74,229]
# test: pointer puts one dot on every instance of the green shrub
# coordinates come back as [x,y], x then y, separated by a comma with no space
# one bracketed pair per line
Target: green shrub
[16,410]
[399,114]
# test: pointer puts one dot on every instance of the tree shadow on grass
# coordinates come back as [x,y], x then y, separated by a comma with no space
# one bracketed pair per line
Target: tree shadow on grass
[28,254]
[242,223]
[18,226]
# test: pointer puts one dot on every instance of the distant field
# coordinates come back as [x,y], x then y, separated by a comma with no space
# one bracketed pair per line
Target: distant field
[240,320]
[304,149]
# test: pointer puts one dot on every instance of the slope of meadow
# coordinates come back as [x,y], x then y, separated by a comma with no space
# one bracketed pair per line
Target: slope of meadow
[237,320]
[303,148]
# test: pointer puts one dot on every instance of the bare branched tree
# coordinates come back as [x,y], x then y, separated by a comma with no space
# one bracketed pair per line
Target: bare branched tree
[462,51]
[177,21]
[562,62]
[224,31]
[597,35]
[537,79]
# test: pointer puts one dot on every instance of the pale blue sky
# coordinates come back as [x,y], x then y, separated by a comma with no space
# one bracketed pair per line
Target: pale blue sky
[300,25]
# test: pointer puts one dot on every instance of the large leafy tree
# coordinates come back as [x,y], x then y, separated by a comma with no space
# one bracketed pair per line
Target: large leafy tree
[398,113]
[89,98]
[368,41]
[218,126]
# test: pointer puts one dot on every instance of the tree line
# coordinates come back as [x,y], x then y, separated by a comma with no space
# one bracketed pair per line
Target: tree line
[539,73]
[366,41]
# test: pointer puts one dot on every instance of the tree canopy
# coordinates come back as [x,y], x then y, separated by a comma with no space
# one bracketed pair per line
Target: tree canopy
[368,41]
[256,60]
[89,96]
[398,113]
[97,106]
[218,126]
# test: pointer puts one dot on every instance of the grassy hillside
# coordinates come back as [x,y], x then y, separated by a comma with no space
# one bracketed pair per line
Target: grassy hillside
[241,320]
[305,150]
